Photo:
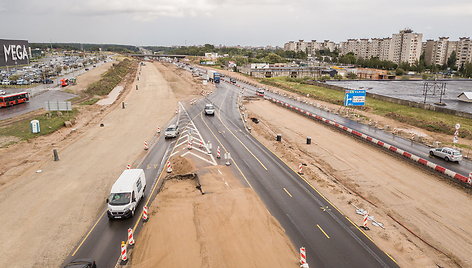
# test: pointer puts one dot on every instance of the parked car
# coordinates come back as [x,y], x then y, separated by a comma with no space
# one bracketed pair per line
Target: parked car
[447,154]
[48,81]
[2,92]
[6,82]
[81,263]
[232,80]
[209,109]
[172,131]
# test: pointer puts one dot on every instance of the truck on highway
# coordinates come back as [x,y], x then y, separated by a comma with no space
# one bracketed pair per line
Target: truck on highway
[213,76]
[126,193]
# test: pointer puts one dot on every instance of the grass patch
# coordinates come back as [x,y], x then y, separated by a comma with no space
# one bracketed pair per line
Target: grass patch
[429,120]
[110,79]
[21,129]
[90,101]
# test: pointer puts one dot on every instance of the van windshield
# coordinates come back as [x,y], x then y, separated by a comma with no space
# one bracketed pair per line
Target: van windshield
[119,199]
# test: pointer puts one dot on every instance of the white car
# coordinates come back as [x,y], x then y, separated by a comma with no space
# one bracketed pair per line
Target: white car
[6,82]
[447,154]
[209,109]
[172,131]
[2,92]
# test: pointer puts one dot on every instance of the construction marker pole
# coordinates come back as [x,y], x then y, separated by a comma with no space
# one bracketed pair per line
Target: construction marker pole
[124,257]
[300,169]
[189,146]
[145,213]
[146,147]
[218,152]
[169,167]
[158,130]
[302,255]
[128,166]
[469,180]
[130,237]
[364,224]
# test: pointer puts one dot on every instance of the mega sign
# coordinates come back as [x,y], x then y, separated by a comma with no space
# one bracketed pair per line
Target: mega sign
[354,97]
[14,52]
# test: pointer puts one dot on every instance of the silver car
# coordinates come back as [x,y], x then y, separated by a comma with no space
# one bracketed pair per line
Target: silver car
[447,154]
[172,131]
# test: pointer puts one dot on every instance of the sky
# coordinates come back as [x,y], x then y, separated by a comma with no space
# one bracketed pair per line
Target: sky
[228,22]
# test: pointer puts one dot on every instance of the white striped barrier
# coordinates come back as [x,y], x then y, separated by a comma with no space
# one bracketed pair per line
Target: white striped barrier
[124,257]
[128,166]
[146,147]
[300,169]
[392,148]
[169,167]
[364,223]
[130,237]
[302,255]
[145,213]
[218,152]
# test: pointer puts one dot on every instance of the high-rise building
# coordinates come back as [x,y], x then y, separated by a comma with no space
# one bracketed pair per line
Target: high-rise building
[406,47]
[464,51]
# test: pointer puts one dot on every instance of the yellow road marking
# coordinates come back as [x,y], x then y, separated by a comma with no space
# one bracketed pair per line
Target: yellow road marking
[287,192]
[328,201]
[91,229]
[219,117]
[321,229]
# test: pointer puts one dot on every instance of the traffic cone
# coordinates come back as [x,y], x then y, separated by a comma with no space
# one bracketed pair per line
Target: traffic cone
[146,147]
[128,166]
[302,255]
[130,237]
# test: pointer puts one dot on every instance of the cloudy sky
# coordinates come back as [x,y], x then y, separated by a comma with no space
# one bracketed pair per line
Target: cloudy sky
[228,22]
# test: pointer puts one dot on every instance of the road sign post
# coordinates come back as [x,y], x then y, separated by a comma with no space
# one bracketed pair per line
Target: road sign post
[354,97]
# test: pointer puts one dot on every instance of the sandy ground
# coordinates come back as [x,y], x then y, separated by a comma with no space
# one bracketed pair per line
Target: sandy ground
[85,79]
[350,172]
[48,212]
[228,226]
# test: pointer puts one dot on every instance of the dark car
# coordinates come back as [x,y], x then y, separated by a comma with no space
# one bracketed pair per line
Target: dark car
[232,80]
[81,263]
[48,81]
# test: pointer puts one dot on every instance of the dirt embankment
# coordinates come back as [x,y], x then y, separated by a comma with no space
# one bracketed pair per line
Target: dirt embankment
[350,172]
[48,212]
[228,226]
[87,78]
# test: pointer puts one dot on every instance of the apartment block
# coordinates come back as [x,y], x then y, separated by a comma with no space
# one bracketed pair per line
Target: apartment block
[309,47]
[406,47]
[436,52]
[464,51]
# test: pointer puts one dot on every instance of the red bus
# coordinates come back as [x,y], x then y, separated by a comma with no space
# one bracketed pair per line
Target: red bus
[13,98]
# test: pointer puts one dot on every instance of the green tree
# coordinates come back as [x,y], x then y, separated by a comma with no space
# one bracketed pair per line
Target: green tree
[451,61]
[399,71]
[338,77]
[273,58]
[351,76]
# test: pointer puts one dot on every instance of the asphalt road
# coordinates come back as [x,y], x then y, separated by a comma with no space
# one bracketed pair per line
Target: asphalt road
[421,150]
[103,241]
[309,220]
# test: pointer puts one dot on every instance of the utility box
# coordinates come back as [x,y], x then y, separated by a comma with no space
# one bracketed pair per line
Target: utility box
[34,125]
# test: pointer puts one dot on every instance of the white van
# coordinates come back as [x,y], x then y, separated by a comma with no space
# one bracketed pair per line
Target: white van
[126,193]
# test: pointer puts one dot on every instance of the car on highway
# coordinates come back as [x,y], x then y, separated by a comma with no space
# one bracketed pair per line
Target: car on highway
[81,263]
[172,131]
[126,193]
[260,92]
[446,153]
[209,109]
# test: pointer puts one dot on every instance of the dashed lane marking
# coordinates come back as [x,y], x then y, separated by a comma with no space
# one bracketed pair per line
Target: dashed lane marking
[321,229]
[288,192]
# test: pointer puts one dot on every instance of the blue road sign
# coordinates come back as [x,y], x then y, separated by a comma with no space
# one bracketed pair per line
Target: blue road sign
[354,97]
